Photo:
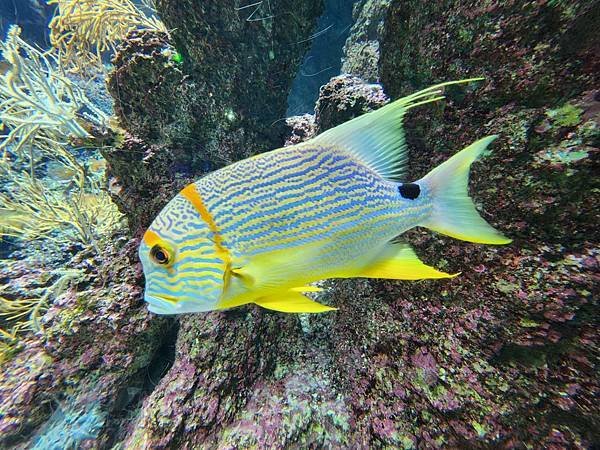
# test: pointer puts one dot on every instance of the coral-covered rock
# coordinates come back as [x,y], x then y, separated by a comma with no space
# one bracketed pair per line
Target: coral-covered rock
[301,128]
[211,95]
[90,356]
[154,102]
[244,58]
[141,177]
[220,356]
[344,98]
[533,53]
[502,354]
[362,50]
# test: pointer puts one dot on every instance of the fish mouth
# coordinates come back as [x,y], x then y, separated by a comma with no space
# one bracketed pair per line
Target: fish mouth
[165,304]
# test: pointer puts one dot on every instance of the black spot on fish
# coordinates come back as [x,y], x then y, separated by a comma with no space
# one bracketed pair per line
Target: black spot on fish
[409,190]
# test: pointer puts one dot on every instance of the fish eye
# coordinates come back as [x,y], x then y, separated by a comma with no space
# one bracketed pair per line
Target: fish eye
[160,255]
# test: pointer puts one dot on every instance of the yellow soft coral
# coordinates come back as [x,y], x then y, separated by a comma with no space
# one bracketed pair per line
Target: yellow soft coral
[82,30]
[34,210]
[41,111]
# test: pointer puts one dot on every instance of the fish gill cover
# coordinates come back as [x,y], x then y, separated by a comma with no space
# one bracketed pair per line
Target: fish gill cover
[505,355]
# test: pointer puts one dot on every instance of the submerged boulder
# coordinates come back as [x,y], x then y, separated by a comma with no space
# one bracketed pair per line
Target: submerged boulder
[210,94]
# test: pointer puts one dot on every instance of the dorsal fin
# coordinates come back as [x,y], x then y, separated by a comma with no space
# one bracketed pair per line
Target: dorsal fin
[377,138]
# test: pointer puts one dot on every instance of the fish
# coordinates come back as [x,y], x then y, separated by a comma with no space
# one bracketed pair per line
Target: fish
[262,229]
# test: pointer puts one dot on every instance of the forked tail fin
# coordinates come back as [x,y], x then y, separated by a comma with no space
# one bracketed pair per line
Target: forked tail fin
[454,213]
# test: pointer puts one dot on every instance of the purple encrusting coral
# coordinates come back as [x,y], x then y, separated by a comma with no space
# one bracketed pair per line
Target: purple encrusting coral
[503,356]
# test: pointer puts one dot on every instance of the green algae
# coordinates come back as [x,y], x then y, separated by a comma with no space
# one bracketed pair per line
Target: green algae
[528,323]
[177,57]
[566,116]
[479,428]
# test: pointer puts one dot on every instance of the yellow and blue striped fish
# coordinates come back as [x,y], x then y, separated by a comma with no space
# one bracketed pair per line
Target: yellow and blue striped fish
[260,230]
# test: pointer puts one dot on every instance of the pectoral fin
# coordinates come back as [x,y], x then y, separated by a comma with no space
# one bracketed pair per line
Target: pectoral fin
[242,274]
[399,261]
[292,302]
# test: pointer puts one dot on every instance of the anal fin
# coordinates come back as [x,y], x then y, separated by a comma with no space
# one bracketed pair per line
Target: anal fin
[307,289]
[398,261]
[292,302]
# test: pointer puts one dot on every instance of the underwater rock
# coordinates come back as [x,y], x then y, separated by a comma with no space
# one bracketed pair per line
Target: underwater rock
[362,48]
[244,59]
[343,98]
[346,97]
[501,355]
[301,128]
[139,178]
[219,358]
[214,94]
[153,101]
[533,53]
[95,342]
[147,80]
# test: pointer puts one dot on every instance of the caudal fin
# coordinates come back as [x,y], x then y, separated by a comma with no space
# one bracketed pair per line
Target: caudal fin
[454,213]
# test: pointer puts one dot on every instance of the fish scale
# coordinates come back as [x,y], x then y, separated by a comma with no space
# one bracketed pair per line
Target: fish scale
[312,202]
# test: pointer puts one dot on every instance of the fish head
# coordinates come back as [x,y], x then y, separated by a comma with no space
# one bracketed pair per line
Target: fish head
[184,270]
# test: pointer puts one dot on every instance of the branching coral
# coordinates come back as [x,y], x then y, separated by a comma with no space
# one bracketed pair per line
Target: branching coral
[20,315]
[38,211]
[46,189]
[82,30]
[43,110]
[39,105]
[7,345]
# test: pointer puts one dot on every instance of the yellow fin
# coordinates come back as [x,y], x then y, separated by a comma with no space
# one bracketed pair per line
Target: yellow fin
[377,138]
[242,274]
[399,261]
[292,302]
[226,304]
[454,213]
[307,289]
